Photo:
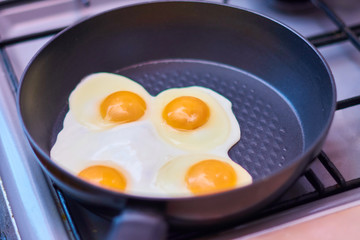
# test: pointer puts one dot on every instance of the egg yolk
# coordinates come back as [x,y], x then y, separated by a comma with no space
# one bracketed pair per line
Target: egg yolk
[104,176]
[210,176]
[122,107]
[186,113]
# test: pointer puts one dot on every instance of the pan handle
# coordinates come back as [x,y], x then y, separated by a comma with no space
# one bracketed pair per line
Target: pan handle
[138,223]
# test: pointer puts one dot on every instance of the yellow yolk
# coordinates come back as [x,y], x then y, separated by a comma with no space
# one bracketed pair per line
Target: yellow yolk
[122,107]
[104,176]
[210,176]
[186,113]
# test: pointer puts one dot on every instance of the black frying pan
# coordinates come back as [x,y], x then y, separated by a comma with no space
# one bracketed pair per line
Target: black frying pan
[282,91]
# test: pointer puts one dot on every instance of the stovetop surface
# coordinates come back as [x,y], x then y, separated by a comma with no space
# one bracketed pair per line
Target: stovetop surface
[331,180]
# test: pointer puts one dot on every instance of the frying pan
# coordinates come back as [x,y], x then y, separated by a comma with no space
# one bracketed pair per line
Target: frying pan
[282,92]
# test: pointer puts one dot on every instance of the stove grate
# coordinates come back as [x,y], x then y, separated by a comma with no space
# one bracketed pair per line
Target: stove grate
[351,35]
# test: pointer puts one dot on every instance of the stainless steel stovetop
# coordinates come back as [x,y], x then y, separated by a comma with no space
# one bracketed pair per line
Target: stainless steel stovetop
[32,208]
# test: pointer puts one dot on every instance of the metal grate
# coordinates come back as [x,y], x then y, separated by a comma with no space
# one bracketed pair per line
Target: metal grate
[10,3]
[344,33]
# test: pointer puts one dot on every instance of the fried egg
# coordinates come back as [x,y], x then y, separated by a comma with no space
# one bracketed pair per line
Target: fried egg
[117,136]
[199,174]
[195,119]
[104,100]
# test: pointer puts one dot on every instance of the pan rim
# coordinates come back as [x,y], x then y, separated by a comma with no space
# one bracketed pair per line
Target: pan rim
[310,150]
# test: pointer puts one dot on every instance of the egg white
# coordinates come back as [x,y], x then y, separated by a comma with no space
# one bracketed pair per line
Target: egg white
[133,147]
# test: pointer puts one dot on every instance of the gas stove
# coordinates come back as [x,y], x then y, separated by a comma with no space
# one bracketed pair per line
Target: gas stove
[32,207]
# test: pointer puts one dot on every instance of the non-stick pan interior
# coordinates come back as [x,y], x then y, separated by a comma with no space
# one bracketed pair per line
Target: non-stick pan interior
[280,87]
[271,132]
